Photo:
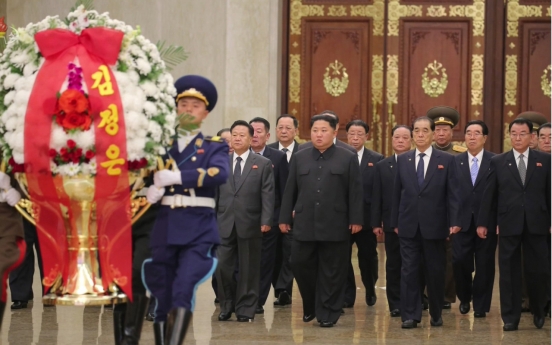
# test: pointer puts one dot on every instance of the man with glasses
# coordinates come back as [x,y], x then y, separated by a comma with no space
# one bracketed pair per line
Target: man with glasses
[537,119]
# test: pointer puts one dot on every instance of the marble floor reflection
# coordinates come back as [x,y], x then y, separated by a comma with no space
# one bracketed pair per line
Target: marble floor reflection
[279,325]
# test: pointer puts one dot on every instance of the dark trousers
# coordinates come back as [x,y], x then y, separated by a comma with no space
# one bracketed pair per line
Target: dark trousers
[366,243]
[393,270]
[282,271]
[450,287]
[140,252]
[467,246]
[268,261]
[320,269]
[241,296]
[433,253]
[21,279]
[537,272]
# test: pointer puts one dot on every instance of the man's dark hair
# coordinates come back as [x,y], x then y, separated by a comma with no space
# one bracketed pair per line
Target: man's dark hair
[544,125]
[263,121]
[359,123]
[242,123]
[329,112]
[295,122]
[219,133]
[424,118]
[521,121]
[328,118]
[401,126]
[480,123]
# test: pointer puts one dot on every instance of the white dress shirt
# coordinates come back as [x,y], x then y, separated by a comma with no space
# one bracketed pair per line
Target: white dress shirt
[479,157]
[359,155]
[184,140]
[290,149]
[242,163]
[260,152]
[525,156]
[427,156]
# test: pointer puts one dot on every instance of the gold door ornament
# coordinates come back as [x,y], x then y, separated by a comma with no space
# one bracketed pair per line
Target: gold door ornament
[433,85]
[546,81]
[335,85]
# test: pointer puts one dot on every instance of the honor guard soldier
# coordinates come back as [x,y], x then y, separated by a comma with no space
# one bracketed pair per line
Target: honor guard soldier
[185,235]
[445,119]
[537,119]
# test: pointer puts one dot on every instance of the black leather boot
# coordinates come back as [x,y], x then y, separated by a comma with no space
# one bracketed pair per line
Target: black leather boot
[2,309]
[159,329]
[119,311]
[134,319]
[177,325]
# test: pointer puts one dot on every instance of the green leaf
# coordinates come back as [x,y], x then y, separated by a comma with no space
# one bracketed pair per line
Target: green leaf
[185,124]
[88,5]
[172,55]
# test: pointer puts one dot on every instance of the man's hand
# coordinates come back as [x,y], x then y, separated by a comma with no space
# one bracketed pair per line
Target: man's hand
[497,230]
[482,231]
[455,229]
[265,228]
[163,178]
[355,228]
[377,231]
[284,228]
[12,197]
[4,181]
[396,230]
[154,194]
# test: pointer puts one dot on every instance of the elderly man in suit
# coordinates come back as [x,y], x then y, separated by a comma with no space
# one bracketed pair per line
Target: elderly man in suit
[472,167]
[261,134]
[338,143]
[384,180]
[518,184]
[282,279]
[325,190]
[245,207]
[543,134]
[366,241]
[424,182]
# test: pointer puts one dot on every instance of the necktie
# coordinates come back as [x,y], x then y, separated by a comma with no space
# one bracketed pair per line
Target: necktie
[420,170]
[522,169]
[237,170]
[285,150]
[474,170]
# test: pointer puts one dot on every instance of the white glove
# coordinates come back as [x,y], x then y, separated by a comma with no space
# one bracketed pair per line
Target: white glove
[12,197]
[4,181]
[166,177]
[2,196]
[154,194]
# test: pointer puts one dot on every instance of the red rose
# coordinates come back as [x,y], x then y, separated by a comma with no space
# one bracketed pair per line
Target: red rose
[89,154]
[52,153]
[16,168]
[71,144]
[78,152]
[76,121]
[73,101]
[63,151]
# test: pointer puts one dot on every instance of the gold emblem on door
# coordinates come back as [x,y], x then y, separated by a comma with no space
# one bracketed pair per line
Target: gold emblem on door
[546,81]
[434,79]
[336,79]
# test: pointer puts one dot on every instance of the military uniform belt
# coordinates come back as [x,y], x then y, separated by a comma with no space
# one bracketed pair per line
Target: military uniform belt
[187,201]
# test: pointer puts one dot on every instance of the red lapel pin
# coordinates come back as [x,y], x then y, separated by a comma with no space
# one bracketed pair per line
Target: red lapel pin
[440,167]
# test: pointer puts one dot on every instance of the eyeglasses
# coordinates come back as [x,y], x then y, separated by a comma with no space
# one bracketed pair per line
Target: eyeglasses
[473,135]
[520,135]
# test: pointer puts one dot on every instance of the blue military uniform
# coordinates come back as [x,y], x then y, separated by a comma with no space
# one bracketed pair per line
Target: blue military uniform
[185,235]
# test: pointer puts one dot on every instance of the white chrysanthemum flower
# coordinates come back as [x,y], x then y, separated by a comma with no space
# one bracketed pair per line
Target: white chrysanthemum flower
[22,98]
[143,66]
[10,80]
[72,169]
[84,140]
[29,69]
[150,110]
[149,88]
[58,138]
[11,124]
[8,99]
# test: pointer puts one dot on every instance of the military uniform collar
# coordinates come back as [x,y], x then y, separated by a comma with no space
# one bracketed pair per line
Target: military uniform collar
[444,148]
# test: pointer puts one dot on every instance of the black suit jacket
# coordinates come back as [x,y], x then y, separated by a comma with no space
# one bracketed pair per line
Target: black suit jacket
[470,194]
[325,193]
[515,201]
[367,170]
[280,169]
[433,206]
[382,195]
[276,146]
[338,143]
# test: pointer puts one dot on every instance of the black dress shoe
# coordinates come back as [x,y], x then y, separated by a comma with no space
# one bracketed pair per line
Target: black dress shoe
[242,318]
[436,323]
[425,303]
[149,317]
[395,313]
[19,305]
[326,324]
[479,314]
[348,305]
[538,321]
[217,301]
[446,305]
[259,310]
[308,318]
[224,316]
[409,324]
[464,308]
[509,327]
[283,299]
[371,300]
[342,311]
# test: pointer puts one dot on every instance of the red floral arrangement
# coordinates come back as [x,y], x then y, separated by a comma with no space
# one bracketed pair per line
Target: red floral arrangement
[72,111]
[71,154]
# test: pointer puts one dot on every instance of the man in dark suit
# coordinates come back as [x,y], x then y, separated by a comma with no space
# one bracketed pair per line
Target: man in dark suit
[519,184]
[325,191]
[472,167]
[245,207]
[338,143]
[366,241]
[382,197]
[261,134]
[282,279]
[424,183]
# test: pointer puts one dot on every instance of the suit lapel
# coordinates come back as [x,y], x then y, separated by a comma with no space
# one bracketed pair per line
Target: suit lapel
[246,169]
[483,168]
[512,166]
[411,168]
[231,159]
[531,165]
[465,167]
[431,167]
[364,160]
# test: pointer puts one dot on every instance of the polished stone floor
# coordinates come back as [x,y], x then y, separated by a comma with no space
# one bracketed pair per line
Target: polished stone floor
[281,325]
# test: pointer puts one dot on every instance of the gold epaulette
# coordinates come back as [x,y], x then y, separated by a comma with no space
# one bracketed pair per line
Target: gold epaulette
[459,148]
[215,139]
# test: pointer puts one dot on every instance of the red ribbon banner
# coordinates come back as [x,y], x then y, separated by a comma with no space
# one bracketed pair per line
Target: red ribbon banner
[96,49]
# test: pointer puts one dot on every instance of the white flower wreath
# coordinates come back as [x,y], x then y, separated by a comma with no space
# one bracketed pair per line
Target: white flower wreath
[146,90]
